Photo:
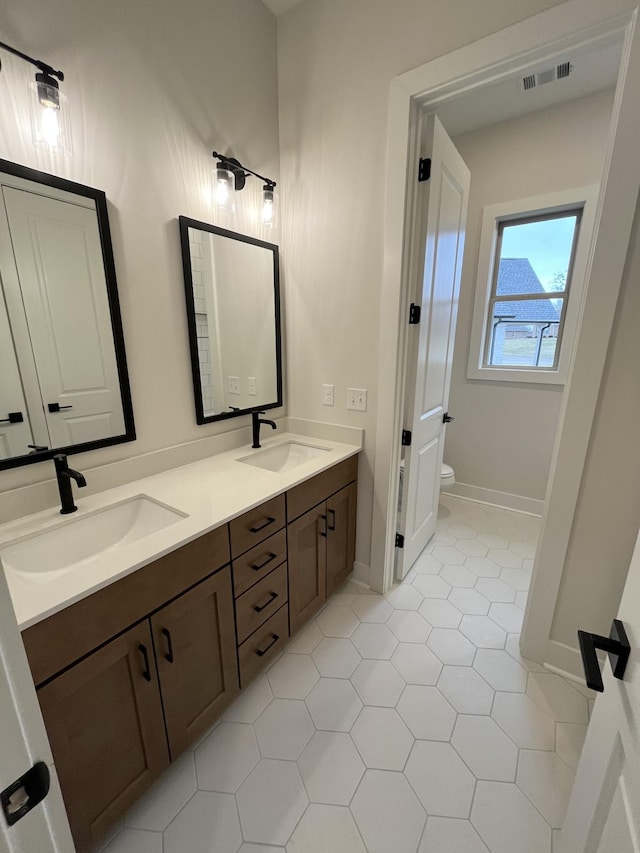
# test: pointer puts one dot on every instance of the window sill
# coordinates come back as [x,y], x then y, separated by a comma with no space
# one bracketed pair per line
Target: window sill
[518,374]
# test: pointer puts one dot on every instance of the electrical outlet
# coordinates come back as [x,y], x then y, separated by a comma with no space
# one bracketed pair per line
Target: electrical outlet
[233,384]
[252,390]
[327,395]
[357,399]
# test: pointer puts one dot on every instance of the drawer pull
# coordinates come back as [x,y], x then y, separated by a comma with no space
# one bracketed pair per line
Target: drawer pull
[257,566]
[262,526]
[273,641]
[323,533]
[272,597]
[332,523]
[169,655]
[146,672]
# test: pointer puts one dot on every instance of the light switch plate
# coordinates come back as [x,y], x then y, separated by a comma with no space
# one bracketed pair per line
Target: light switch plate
[327,395]
[252,390]
[357,399]
[233,384]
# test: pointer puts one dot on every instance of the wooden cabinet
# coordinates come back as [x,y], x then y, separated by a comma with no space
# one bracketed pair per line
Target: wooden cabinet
[341,536]
[307,539]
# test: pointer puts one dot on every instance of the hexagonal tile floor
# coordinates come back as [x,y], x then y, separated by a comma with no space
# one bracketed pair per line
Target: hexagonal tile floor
[406,723]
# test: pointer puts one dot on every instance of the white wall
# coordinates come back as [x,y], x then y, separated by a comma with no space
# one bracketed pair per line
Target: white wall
[155,87]
[503,435]
[336,63]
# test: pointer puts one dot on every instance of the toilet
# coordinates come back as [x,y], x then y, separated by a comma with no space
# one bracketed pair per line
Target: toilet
[447,477]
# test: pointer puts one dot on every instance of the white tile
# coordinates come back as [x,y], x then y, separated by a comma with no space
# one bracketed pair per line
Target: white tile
[521,598]
[260,848]
[426,712]
[162,802]
[519,579]
[500,670]
[416,664]
[431,586]
[208,822]
[506,820]
[483,632]
[404,597]
[336,657]
[447,554]
[485,748]
[248,706]
[331,768]
[226,757]
[526,723]
[495,589]
[441,779]
[383,794]
[135,841]
[471,548]
[512,647]
[408,626]
[337,621]
[569,742]
[378,683]
[284,729]
[547,781]
[442,539]
[372,608]
[492,540]
[271,801]
[483,567]
[469,601]
[427,564]
[462,531]
[440,613]
[450,835]
[465,690]
[306,640]
[459,576]
[508,616]
[326,828]
[523,549]
[293,676]
[451,647]
[562,701]
[374,641]
[334,704]
[382,739]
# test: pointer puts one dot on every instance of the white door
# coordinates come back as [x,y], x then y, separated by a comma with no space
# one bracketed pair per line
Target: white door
[14,437]
[440,231]
[604,811]
[23,742]
[58,255]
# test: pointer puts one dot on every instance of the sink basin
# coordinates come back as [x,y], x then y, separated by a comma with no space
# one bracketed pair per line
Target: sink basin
[42,557]
[283,457]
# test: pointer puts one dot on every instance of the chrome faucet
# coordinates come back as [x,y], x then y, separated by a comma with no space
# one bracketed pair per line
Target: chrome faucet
[256,420]
[65,475]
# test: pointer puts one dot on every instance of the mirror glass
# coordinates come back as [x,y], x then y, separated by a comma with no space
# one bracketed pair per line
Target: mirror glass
[233,311]
[63,375]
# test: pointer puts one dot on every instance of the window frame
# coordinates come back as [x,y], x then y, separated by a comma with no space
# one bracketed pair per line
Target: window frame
[564,201]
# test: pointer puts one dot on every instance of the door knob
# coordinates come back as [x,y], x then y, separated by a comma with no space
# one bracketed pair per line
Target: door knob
[447,418]
[56,407]
[617,647]
[13,418]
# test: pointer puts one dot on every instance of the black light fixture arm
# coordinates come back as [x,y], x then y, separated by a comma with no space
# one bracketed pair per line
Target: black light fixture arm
[235,166]
[46,69]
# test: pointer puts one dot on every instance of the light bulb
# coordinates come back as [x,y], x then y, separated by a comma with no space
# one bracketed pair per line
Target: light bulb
[224,189]
[50,129]
[50,124]
[269,199]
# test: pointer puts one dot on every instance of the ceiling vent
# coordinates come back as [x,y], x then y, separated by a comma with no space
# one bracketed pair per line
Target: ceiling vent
[549,75]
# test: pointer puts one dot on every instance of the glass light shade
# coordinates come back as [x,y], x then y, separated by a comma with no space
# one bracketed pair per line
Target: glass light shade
[269,207]
[224,190]
[50,120]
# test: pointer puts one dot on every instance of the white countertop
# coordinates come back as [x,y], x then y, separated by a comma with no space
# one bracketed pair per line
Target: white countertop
[210,492]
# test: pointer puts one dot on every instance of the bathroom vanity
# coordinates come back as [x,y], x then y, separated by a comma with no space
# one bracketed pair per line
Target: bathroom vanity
[132,670]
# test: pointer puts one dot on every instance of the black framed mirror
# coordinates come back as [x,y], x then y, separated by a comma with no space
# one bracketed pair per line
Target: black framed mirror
[232,291]
[64,385]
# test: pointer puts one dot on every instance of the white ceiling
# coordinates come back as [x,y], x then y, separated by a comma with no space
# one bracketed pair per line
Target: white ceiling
[279,7]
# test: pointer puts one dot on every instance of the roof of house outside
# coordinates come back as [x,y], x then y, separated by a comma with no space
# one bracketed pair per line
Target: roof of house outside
[516,276]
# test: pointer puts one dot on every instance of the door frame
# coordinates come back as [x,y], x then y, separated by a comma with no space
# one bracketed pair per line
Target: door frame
[488,60]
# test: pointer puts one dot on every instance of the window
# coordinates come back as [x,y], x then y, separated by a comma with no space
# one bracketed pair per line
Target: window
[531,269]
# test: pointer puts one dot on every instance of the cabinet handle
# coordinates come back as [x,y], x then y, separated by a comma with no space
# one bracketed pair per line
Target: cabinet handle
[169,655]
[332,523]
[272,597]
[323,532]
[146,672]
[261,526]
[617,647]
[257,566]
[274,639]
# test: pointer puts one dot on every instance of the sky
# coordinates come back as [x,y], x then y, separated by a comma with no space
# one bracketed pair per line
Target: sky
[547,244]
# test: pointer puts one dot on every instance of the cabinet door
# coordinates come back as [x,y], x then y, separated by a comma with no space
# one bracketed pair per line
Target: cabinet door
[104,721]
[341,537]
[195,645]
[307,549]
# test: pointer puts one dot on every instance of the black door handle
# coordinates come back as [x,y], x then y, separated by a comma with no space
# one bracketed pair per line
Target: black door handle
[447,418]
[260,527]
[257,566]
[617,647]
[272,641]
[146,672]
[167,634]
[332,523]
[13,418]
[323,533]
[260,607]
[56,407]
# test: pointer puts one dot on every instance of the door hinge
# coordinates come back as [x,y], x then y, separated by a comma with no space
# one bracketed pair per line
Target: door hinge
[399,540]
[424,169]
[406,438]
[414,314]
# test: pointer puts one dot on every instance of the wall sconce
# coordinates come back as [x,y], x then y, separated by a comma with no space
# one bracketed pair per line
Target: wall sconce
[230,178]
[50,124]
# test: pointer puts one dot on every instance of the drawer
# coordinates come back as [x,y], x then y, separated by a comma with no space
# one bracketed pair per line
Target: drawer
[312,492]
[261,602]
[263,646]
[256,525]
[255,564]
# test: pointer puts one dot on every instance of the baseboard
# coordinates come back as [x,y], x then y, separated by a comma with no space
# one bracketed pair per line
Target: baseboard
[518,503]
[361,574]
